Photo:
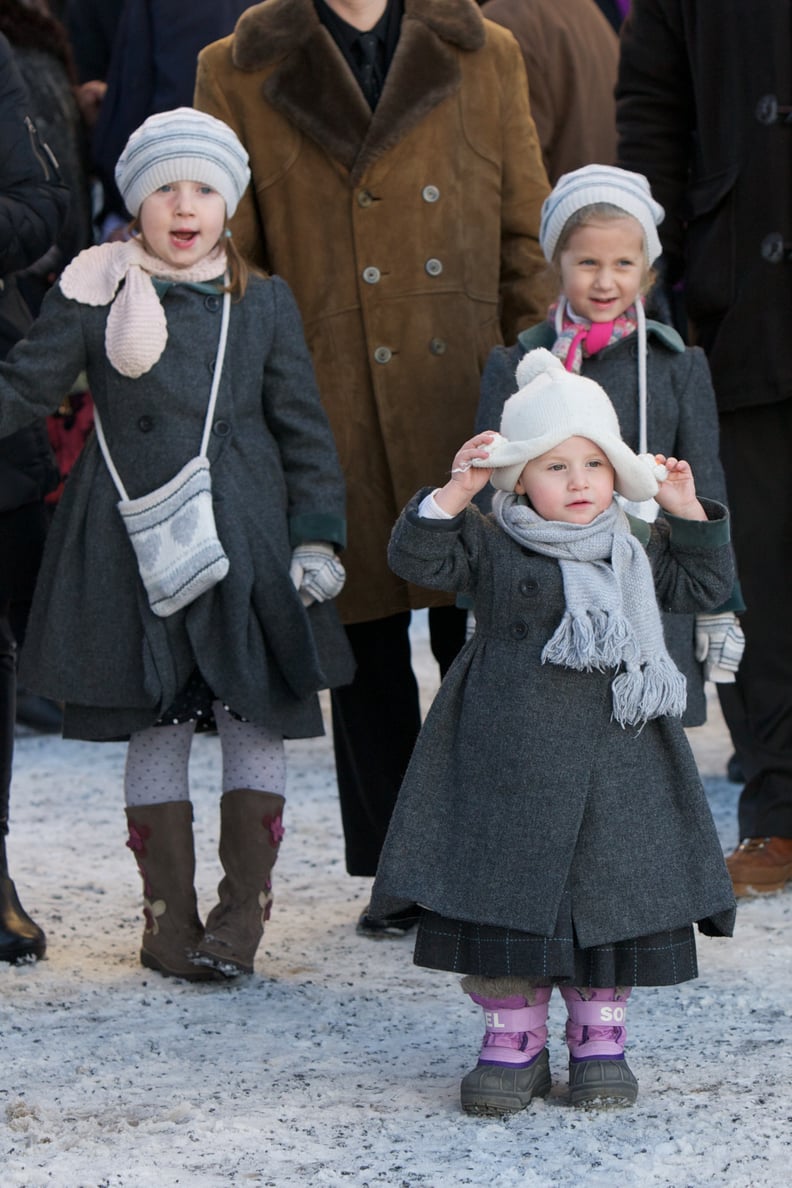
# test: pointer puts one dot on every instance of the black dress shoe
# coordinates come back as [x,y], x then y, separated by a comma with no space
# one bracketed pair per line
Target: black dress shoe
[38,713]
[734,771]
[399,924]
[21,939]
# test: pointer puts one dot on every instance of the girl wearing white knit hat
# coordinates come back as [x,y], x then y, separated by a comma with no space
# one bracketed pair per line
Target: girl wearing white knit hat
[599,235]
[203,596]
[552,823]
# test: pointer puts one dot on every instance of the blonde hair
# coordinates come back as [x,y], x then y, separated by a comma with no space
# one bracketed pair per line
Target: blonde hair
[584,216]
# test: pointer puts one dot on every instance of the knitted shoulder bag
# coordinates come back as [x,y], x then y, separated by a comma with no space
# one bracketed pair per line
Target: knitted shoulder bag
[172,529]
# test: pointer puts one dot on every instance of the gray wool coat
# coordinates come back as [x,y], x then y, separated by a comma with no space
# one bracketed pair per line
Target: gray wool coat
[521,783]
[682,421]
[92,641]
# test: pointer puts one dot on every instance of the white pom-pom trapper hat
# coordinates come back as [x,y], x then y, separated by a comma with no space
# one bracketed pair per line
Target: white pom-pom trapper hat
[551,405]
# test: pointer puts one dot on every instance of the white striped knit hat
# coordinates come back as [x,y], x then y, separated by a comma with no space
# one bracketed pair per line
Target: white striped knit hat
[601,183]
[182,145]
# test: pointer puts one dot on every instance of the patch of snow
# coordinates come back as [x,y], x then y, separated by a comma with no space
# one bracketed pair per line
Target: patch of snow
[338,1062]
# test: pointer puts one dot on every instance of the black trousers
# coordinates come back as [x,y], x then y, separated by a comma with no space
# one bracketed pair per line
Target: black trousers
[756,450]
[23,531]
[376,721]
[7,711]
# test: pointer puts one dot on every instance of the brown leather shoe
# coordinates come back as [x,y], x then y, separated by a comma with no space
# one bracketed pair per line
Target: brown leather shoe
[760,865]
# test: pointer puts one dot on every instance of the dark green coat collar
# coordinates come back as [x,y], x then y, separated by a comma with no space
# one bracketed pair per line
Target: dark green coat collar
[544,335]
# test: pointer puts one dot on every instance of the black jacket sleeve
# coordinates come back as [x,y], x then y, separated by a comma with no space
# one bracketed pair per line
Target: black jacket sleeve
[33,200]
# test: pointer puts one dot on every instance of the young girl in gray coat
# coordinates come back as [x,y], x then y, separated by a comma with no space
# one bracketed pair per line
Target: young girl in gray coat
[599,235]
[552,824]
[161,324]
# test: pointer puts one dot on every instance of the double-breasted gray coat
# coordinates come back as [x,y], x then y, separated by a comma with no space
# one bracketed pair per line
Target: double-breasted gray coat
[521,783]
[92,640]
[681,421]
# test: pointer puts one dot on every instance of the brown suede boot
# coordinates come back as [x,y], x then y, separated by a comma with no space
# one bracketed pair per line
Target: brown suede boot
[251,828]
[161,838]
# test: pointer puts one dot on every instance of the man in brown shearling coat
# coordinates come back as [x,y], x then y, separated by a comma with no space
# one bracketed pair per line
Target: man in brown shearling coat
[397,186]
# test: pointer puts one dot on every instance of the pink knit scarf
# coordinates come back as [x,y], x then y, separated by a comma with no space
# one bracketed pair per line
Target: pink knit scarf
[579,339]
[137,330]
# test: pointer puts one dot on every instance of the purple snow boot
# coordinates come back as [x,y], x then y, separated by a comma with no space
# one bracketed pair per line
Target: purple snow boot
[512,1068]
[595,1034]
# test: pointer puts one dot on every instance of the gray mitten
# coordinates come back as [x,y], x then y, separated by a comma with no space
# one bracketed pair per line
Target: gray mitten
[719,646]
[316,572]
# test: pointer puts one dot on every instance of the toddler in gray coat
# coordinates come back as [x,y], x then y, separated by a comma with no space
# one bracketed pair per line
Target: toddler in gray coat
[552,824]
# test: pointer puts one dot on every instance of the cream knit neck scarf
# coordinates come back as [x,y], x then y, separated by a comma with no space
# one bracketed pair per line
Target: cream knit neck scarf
[611,618]
[137,330]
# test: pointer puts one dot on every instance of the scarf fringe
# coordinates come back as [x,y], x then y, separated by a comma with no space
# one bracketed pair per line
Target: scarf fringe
[596,640]
[655,691]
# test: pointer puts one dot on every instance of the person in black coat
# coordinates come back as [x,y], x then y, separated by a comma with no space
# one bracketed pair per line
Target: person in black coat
[703,110]
[151,69]
[33,204]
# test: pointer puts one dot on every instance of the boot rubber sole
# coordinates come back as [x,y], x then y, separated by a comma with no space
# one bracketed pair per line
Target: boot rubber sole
[189,972]
[225,967]
[492,1089]
[601,1084]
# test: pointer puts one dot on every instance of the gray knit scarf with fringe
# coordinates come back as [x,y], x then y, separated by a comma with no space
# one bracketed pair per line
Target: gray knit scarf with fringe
[611,618]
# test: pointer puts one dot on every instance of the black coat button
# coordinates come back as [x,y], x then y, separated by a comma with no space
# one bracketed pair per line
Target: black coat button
[221,428]
[519,629]
[212,304]
[774,249]
[528,587]
[769,111]
[145,424]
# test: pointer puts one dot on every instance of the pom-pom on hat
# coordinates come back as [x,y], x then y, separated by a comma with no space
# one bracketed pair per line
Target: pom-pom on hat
[601,183]
[552,405]
[182,145]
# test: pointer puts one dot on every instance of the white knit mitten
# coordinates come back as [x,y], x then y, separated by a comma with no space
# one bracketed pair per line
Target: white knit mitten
[719,646]
[316,572]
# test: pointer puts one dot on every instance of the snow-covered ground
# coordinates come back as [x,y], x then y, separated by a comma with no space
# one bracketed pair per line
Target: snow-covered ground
[338,1062]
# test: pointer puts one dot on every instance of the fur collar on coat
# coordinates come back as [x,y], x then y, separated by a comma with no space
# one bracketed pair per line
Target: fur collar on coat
[287,38]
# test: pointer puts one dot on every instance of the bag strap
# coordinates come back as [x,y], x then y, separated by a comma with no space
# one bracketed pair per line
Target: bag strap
[218,370]
[221,347]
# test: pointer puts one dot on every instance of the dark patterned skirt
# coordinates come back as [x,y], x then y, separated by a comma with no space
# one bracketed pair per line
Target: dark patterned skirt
[194,704]
[661,959]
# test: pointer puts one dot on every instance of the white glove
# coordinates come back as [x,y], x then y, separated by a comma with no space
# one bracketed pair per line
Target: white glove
[719,646]
[316,572]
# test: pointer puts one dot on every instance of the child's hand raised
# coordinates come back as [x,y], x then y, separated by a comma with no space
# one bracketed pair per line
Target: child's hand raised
[466,480]
[677,493]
